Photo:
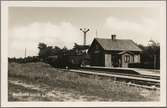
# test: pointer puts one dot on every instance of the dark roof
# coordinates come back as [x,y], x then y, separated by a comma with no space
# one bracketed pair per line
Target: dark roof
[81,47]
[118,44]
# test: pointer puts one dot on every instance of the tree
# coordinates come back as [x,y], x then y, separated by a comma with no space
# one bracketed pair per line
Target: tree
[56,50]
[75,46]
[42,46]
[64,49]
[43,51]
[154,50]
[151,54]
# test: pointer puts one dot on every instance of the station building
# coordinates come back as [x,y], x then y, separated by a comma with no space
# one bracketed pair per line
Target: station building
[113,52]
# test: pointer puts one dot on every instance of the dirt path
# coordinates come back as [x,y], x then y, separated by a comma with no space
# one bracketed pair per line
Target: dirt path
[34,92]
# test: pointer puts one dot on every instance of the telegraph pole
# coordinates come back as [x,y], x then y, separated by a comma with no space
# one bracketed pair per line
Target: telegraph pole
[96,33]
[155,61]
[84,30]
[154,55]
[25,52]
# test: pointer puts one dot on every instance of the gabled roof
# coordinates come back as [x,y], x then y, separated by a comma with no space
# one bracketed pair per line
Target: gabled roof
[123,52]
[118,44]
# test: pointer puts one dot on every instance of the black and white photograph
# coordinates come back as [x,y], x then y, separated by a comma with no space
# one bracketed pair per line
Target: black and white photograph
[70,52]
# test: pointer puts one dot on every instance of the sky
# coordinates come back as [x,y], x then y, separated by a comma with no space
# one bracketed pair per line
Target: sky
[60,26]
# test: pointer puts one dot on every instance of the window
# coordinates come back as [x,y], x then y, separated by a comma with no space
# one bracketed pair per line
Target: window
[127,58]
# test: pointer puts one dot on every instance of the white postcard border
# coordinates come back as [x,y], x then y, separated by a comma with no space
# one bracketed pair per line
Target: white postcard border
[4,51]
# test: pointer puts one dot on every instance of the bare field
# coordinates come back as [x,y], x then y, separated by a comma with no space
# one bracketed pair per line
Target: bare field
[41,82]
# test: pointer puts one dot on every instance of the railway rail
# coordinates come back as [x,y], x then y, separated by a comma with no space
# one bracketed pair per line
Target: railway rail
[143,81]
[125,74]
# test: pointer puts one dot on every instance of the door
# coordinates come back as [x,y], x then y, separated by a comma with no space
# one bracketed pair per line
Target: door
[125,60]
[115,60]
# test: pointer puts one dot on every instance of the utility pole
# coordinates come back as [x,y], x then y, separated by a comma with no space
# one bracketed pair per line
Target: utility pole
[96,33]
[154,55]
[155,61]
[25,52]
[84,30]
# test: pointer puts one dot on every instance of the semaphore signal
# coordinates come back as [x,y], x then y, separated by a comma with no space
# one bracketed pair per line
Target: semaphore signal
[84,30]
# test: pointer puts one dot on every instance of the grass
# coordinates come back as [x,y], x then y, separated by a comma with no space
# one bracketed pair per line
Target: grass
[106,89]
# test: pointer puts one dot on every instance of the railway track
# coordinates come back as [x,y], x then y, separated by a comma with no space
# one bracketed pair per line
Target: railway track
[125,74]
[115,71]
[143,81]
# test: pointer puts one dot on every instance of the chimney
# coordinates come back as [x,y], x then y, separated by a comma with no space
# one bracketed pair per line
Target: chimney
[113,37]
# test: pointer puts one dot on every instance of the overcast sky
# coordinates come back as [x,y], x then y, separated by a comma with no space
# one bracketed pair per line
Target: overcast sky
[59,26]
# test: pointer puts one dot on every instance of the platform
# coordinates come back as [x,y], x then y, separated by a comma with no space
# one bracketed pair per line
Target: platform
[138,70]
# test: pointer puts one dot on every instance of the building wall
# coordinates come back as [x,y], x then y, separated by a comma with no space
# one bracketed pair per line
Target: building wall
[125,59]
[133,59]
[137,58]
[97,59]
[108,62]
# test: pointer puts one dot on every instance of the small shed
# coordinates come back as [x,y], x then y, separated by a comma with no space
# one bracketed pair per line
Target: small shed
[113,52]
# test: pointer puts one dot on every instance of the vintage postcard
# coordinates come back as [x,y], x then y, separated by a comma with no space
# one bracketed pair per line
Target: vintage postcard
[83,53]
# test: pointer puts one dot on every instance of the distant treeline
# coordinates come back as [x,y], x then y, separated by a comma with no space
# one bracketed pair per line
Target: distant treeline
[150,56]
[25,59]
[61,57]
